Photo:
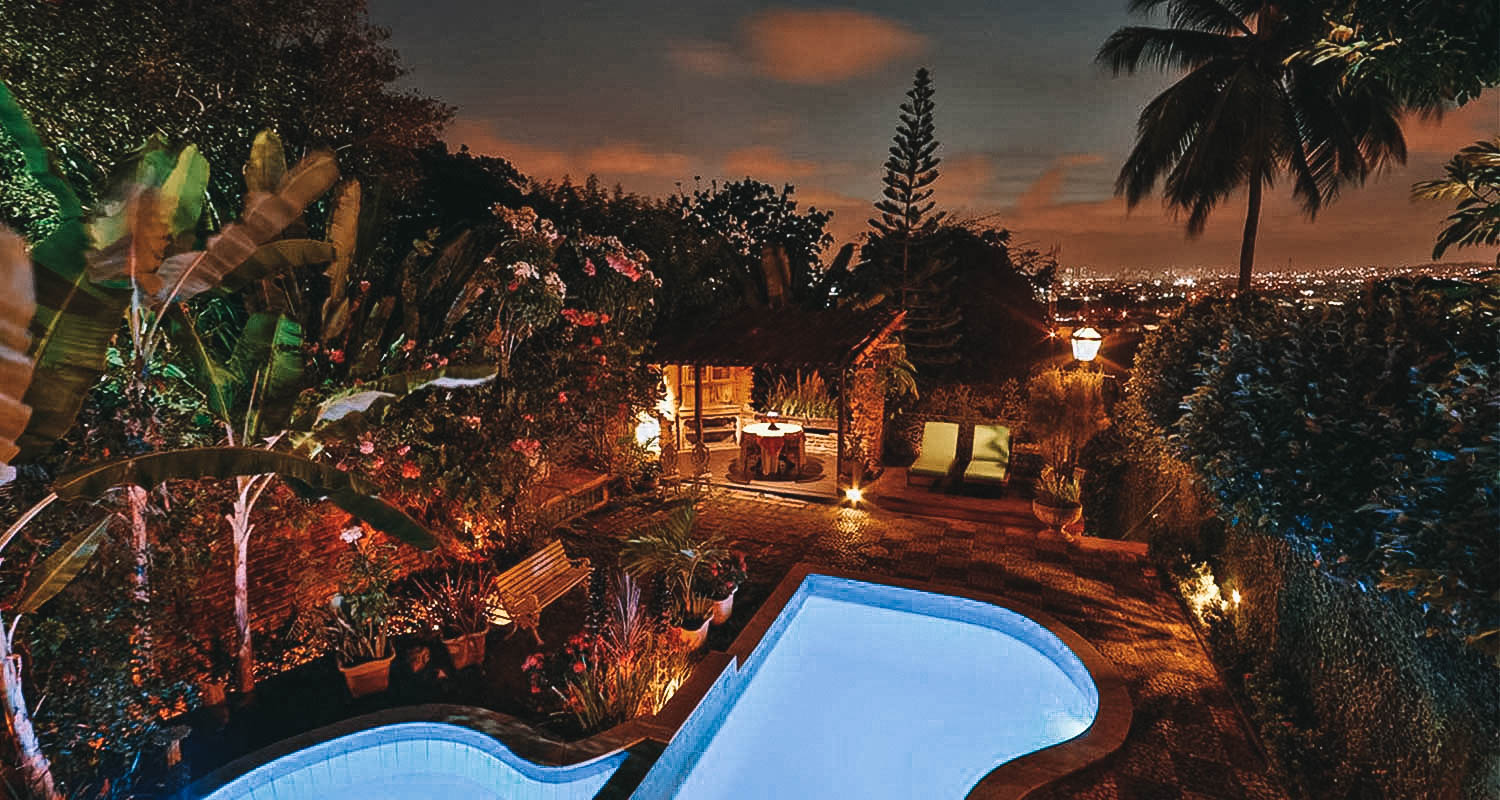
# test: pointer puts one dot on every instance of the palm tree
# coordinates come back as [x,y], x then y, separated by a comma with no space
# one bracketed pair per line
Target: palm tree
[1250,108]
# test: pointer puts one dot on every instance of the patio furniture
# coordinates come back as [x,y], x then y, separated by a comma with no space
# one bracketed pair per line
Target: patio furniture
[990,463]
[939,451]
[532,585]
[765,445]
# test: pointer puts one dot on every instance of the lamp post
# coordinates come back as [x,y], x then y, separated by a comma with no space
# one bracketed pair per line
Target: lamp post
[1086,342]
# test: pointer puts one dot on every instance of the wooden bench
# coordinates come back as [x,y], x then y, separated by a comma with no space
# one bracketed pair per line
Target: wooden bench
[532,585]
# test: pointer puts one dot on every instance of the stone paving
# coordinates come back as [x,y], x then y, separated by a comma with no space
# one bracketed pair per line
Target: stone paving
[1186,741]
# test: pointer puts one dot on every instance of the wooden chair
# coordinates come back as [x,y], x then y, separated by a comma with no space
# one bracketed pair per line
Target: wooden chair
[990,463]
[938,454]
[532,585]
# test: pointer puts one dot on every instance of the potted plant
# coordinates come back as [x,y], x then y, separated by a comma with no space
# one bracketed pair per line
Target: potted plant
[356,618]
[1056,502]
[455,608]
[1065,408]
[722,579]
[672,550]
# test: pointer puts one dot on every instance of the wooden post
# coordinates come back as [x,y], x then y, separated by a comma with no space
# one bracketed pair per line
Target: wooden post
[843,412]
[700,450]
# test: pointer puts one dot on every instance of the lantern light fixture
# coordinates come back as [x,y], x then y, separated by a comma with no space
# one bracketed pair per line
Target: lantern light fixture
[1086,342]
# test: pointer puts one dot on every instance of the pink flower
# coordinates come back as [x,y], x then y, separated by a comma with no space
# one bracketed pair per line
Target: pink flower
[528,418]
[562,397]
[623,265]
[336,356]
[351,535]
[410,470]
[532,662]
[403,450]
[377,462]
[512,286]
[589,268]
[596,341]
[410,344]
[364,286]
[578,666]
[603,359]
[471,420]
[366,447]
[603,319]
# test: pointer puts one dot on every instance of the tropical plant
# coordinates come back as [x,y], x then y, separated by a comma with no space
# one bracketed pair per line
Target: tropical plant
[1473,179]
[455,604]
[624,668]
[1250,108]
[672,549]
[1056,487]
[1065,408]
[805,396]
[355,621]
[723,576]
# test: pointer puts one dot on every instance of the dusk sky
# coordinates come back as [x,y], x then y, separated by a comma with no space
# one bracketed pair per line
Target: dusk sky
[651,94]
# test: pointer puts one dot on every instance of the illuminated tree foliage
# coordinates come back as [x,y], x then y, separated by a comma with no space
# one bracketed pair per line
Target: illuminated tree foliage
[98,78]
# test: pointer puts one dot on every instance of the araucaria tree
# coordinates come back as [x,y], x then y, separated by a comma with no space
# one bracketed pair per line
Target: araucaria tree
[1252,106]
[905,211]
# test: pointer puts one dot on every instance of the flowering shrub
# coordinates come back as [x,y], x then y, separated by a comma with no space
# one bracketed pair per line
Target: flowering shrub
[722,576]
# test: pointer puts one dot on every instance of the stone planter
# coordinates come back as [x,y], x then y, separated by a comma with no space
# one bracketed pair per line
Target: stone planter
[692,640]
[370,677]
[723,608]
[1057,518]
[466,650]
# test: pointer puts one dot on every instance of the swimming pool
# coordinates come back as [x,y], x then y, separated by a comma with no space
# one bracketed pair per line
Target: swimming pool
[874,691]
[416,761]
[841,685]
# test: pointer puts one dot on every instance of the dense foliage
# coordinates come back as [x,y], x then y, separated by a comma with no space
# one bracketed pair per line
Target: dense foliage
[1364,433]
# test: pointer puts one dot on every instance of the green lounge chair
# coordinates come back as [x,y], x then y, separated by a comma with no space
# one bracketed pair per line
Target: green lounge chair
[990,463]
[939,452]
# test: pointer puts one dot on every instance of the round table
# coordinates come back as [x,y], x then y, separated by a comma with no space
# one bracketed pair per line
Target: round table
[770,441]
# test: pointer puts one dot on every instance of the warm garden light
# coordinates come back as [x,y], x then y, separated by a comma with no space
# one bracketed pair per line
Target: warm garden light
[1086,342]
[648,432]
[854,494]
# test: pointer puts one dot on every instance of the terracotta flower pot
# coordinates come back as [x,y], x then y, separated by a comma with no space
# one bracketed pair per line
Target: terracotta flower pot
[723,608]
[369,677]
[692,639]
[466,650]
[1057,518]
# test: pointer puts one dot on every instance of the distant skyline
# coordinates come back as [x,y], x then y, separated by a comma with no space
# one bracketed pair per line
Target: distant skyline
[649,94]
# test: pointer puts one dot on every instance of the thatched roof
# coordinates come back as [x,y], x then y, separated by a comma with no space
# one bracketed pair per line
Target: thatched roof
[783,338]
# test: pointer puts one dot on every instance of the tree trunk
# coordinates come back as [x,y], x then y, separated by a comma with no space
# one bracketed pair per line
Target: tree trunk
[31,762]
[141,579]
[240,527]
[1252,224]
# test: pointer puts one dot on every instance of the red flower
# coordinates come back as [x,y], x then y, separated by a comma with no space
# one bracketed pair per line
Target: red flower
[578,666]
[562,397]
[596,341]
[410,470]
[336,356]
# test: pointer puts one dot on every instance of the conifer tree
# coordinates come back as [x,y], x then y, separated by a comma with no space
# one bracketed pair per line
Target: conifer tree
[910,172]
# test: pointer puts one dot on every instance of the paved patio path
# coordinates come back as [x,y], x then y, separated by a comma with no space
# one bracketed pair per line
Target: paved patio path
[1186,741]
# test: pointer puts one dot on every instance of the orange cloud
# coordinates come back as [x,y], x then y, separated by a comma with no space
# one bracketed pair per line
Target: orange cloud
[765,163]
[1044,189]
[633,159]
[964,180]
[1475,121]
[804,47]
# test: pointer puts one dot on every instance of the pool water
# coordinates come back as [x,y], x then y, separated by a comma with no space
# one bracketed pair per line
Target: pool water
[868,691]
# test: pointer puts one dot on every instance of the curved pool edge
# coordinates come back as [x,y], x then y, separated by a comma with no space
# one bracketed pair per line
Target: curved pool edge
[525,743]
[1020,777]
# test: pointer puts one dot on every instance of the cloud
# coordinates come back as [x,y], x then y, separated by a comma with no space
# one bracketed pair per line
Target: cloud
[802,47]
[1466,125]
[964,181]
[765,163]
[631,158]
[1043,191]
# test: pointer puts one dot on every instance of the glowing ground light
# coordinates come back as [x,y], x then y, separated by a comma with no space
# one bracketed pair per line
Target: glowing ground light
[854,494]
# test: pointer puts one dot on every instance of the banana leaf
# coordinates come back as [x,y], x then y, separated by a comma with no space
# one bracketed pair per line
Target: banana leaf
[269,356]
[60,568]
[349,492]
[366,358]
[275,258]
[74,320]
[267,164]
[359,399]
[215,380]
[343,232]
[17,304]
[265,216]
[139,244]
[180,181]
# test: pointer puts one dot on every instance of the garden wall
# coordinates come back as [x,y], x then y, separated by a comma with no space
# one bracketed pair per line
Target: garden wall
[1391,712]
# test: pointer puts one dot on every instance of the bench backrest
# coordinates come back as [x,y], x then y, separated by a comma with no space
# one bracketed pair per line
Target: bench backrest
[534,571]
[992,443]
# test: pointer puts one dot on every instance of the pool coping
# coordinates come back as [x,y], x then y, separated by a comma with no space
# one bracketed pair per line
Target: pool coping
[1020,777]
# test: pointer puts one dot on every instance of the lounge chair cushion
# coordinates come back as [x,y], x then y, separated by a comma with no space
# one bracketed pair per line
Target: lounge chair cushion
[991,460]
[939,450]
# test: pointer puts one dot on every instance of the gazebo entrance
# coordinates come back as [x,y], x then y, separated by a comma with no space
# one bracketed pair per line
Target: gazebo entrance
[712,431]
